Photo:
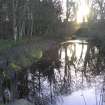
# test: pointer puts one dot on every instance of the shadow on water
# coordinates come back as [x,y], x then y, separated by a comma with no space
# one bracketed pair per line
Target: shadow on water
[62,70]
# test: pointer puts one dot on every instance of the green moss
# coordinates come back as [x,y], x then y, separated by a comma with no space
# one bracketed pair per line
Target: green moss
[26,59]
[15,66]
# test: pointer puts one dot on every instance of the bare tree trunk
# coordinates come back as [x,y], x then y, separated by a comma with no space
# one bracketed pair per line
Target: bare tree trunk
[67,10]
[21,30]
[14,21]
[32,25]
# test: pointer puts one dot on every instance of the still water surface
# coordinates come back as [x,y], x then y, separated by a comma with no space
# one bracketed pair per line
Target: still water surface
[71,74]
[80,65]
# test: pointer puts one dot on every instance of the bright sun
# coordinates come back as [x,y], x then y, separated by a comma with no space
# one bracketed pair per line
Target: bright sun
[83,12]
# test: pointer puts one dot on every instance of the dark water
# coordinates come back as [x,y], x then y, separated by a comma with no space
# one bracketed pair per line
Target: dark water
[72,73]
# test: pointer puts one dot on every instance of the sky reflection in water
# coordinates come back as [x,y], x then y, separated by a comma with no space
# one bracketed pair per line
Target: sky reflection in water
[84,91]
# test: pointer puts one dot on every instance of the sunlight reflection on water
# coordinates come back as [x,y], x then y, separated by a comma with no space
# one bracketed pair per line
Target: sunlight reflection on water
[75,50]
[85,93]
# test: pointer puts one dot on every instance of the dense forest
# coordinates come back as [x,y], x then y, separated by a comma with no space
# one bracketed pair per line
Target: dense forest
[26,18]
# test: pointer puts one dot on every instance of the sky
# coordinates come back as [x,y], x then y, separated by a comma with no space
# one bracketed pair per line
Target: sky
[83,9]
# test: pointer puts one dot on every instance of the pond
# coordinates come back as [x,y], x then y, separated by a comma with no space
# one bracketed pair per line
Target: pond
[71,73]
[83,66]
[74,74]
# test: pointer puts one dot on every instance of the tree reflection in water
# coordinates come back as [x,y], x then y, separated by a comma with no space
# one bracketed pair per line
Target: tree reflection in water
[84,67]
[69,67]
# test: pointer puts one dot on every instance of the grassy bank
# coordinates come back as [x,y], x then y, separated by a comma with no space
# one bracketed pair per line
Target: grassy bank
[24,52]
[6,44]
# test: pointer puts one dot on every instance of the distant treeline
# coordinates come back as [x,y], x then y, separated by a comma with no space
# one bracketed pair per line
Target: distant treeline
[25,18]
[20,18]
